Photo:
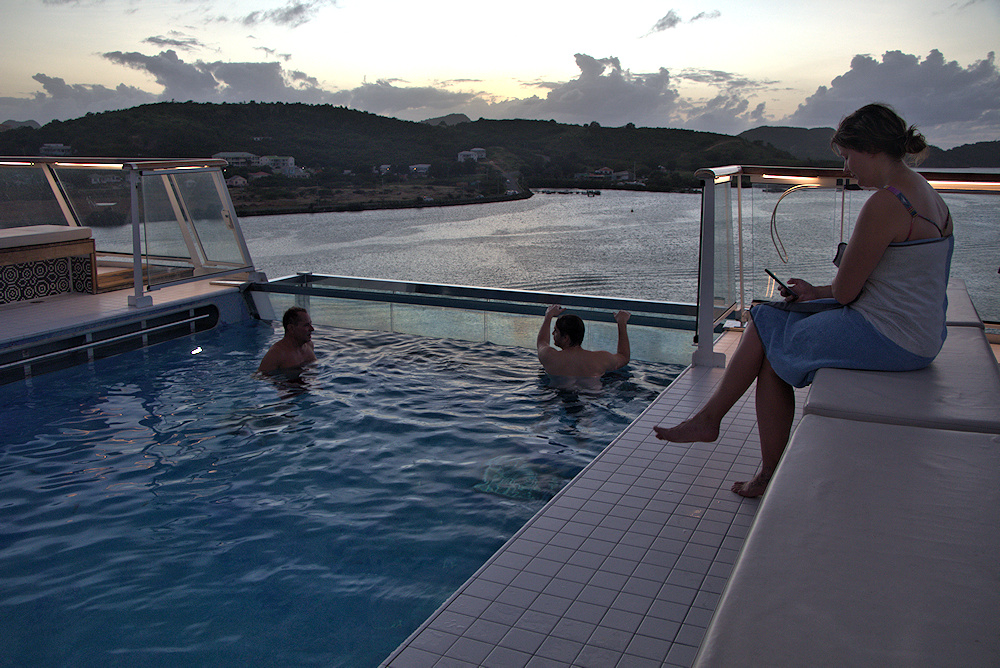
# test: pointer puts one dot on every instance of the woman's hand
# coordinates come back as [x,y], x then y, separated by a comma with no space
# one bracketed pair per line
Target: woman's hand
[805,290]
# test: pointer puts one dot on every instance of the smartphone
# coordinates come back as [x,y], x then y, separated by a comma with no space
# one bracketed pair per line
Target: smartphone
[781,283]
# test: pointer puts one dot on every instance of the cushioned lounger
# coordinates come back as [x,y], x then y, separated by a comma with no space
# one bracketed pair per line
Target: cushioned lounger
[959,390]
[961,311]
[875,545]
[15,237]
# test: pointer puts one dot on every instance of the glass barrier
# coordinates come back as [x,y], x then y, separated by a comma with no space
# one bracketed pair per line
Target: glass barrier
[791,220]
[27,198]
[179,225]
[658,331]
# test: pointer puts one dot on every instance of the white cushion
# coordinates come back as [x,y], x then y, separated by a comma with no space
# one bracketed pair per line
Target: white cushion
[959,390]
[874,545]
[32,235]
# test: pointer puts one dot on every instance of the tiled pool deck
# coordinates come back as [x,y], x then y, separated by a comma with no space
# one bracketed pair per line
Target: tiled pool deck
[625,566]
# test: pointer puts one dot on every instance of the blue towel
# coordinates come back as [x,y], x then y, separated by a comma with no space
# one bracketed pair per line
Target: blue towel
[799,343]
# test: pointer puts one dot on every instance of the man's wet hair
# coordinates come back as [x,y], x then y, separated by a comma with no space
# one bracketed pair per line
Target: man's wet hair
[292,316]
[572,327]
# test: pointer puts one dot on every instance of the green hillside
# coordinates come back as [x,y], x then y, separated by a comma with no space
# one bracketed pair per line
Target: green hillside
[337,139]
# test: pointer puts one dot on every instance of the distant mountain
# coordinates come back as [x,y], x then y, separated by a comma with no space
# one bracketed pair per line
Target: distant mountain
[814,145]
[338,139]
[984,154]
[11,125]
[450,119]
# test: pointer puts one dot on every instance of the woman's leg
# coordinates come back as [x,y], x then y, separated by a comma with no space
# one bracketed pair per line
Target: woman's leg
[743,368]
[775,403]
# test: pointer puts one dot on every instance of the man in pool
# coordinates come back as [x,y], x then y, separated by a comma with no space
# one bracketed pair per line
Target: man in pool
[571,360]
[295,349]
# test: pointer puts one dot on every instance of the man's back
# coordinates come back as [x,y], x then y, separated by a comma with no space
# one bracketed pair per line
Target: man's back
[578,362]
[569,358]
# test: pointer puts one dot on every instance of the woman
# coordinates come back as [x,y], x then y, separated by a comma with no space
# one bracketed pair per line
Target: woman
[887,299]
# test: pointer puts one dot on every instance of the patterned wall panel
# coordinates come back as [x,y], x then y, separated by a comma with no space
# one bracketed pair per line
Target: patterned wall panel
[43,278]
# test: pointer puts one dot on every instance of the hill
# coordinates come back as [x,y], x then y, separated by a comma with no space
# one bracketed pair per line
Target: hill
[335,138]
[805,144]
[814,145]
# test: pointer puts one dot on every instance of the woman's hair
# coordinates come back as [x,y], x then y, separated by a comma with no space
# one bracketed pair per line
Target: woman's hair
[877,128]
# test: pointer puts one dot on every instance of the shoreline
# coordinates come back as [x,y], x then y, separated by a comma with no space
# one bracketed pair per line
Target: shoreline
[246,210]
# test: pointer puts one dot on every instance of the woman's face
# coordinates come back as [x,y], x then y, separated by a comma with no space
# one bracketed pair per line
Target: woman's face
[857,164]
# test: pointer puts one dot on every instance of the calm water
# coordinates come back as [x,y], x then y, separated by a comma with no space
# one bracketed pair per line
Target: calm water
[166,508]
[621,244]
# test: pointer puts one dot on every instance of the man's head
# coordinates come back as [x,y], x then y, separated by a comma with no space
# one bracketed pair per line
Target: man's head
[571,327]
[297,323]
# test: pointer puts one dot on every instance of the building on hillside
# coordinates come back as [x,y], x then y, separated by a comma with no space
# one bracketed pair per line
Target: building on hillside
[236,182]
[55,149]
[474,154]
[420,170]
[282,164]
[239,159]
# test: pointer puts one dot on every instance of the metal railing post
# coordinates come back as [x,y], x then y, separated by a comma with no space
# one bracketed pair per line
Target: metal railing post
[704,354]
[137,300]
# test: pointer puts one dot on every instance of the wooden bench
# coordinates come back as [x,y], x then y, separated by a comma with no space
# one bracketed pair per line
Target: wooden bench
[878,538]
[43,260]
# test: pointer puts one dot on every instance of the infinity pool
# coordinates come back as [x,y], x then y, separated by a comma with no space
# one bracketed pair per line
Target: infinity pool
[167,507]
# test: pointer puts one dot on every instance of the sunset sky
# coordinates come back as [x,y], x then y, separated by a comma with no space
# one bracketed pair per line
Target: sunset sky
[722,66]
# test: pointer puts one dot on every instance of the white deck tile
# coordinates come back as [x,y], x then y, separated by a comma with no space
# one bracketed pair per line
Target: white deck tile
[625,566]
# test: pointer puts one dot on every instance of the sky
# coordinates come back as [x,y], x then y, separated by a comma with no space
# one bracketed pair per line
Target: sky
[717,65]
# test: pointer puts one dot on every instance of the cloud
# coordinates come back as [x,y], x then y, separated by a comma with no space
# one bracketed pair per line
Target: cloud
[714,14]
[950,103]
[176,40]
[59,100]
[604,92]
[274,54]
[180,80]
[414,103]
[673,19]
[941,97]
[293,14]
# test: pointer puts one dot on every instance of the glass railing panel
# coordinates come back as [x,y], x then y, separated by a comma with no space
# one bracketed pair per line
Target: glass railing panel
[213,222]
[977,238]
[188,228]
[506,328]
[803,239]
[725,248]
[101,200]
[26,199]
[810,222]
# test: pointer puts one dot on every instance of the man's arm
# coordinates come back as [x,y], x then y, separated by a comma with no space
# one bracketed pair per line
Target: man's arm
[542,341]
[624,353]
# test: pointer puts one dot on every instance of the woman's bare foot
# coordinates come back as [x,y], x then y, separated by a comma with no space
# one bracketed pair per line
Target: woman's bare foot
[752,488]
[697,429]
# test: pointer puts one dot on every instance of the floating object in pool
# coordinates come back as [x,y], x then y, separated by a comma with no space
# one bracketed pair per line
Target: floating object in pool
[516,478]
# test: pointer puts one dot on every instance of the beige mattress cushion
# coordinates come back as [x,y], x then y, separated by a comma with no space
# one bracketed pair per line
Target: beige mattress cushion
[33,235]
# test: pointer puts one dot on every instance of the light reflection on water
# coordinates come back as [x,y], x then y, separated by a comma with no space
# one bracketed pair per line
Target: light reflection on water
[161,507]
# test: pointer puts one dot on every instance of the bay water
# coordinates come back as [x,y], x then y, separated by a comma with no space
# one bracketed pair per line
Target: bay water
[619,244]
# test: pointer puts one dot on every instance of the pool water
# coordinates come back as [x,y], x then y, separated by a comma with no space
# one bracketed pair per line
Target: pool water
[169,507]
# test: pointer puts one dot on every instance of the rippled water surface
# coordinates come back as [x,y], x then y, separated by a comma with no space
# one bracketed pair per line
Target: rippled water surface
[166,507]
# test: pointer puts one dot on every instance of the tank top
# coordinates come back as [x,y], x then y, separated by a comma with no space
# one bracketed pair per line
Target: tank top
[905,297]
